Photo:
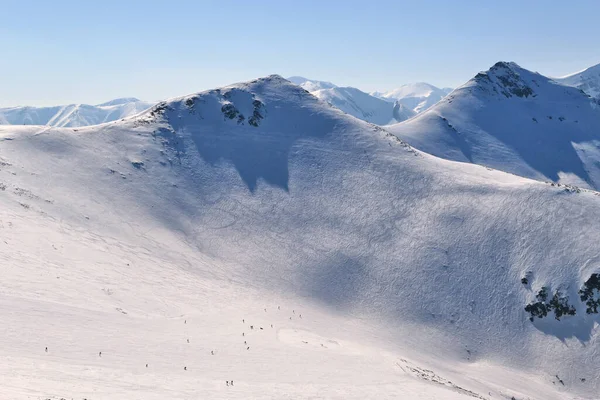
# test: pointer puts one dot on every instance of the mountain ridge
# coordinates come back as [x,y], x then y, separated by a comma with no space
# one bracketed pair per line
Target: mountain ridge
[514,120]
[73,115]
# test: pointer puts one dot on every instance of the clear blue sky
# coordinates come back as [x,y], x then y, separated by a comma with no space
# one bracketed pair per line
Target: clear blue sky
[55,52]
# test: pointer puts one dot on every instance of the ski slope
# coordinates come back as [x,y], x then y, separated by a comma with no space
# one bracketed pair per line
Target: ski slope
[517,121]
[73,115]
[384,271]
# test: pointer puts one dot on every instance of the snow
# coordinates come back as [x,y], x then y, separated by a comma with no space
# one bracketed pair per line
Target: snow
[73,115]
[131,237]
[364,106]
[517,121]
[310,84]
[418,96]
[381,108]
[587,80]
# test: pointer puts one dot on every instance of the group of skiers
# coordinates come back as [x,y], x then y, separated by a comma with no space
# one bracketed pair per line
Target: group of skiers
[212,352]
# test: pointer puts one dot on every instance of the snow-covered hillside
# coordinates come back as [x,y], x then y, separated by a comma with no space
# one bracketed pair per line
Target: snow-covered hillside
[364,106]
[73,115]
[587,80]
[517,121]
[415,96]
[255,234]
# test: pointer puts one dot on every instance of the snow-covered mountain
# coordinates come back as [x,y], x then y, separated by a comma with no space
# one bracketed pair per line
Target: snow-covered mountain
[415,96]
[517,121]
[402,103]
[364,106]
[256,234]
[587,80]
[73,115]
[310,85]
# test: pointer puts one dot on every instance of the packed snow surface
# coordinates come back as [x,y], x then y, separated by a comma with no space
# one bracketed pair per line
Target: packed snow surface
[256,234]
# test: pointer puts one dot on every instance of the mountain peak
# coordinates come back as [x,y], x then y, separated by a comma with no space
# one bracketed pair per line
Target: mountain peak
[508,79]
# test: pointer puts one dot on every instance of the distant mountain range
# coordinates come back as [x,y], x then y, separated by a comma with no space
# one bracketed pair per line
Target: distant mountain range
[381,108]
[73,115]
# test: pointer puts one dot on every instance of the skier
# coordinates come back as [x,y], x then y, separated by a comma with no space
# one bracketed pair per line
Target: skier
[227,383]
[100,354]
[185,321]
[185,368]
[248,348]
[243,321]
[232,383]
[146,365]
[243,334]
[188,340]
[212,352]
[46,349]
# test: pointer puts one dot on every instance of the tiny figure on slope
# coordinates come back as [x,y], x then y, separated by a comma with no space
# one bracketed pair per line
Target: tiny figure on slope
[185,368]
[100,354]
[188,340]
[46,349]
[248,348]
[227,383]
[243,321]
[146,365]
[232,383]
[212,352]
